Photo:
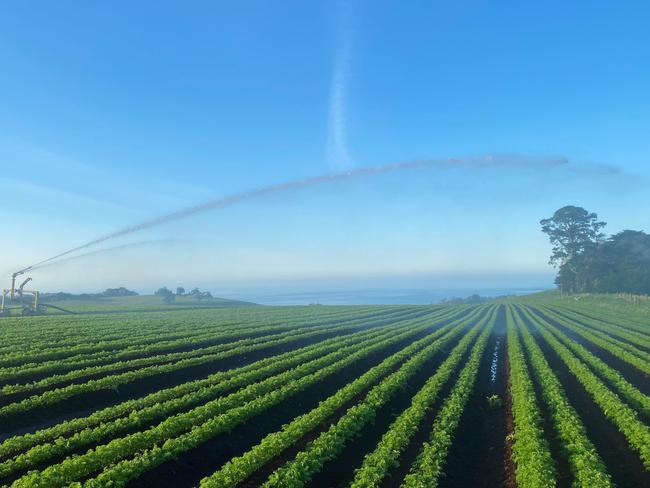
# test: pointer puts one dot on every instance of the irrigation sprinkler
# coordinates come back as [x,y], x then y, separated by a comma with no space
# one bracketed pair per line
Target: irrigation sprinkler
[13,293]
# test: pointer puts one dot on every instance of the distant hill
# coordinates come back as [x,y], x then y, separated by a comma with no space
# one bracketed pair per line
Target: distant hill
[109,292]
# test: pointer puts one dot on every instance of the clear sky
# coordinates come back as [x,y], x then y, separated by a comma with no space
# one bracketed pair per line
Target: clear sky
[114,112]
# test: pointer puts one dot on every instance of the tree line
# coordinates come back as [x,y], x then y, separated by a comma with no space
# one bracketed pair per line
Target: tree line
[169,297]
[588,261]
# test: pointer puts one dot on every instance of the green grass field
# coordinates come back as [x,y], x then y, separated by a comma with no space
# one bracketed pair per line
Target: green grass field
[538,391]
[139,303]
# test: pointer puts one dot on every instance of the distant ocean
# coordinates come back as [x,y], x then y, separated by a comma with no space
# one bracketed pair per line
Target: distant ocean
[373,297]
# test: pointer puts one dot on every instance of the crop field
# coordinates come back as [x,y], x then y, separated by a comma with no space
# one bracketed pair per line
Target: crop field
[527,393]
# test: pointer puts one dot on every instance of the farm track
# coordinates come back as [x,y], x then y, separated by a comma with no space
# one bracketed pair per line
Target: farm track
[363,397]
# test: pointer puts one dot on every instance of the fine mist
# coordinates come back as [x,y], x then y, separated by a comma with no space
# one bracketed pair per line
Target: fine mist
[477,161]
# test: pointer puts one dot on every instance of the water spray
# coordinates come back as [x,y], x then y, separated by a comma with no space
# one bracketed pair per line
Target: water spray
[472,161]
[106,250]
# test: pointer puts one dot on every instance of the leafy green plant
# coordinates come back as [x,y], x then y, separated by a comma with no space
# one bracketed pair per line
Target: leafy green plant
[624,417]
[494,402]
[530,450]
[586,465]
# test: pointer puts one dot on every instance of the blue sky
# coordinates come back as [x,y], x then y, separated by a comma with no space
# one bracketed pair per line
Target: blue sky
[114,112]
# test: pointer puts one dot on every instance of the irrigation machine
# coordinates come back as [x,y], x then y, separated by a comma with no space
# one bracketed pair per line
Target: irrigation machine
[27,299]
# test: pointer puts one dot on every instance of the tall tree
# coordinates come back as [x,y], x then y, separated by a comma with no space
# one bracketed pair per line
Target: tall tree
[167,295]
[626,258]
[590,264]
[571,230]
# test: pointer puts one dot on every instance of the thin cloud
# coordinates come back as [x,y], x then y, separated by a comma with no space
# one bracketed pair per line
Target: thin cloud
[338,152]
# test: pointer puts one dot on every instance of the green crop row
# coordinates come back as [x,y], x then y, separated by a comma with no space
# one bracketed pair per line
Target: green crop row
[624,352]
[615,331]
[134,364]
[53,396]
[81,348]
[202,422]
[586,465]
[114,360]
[428,466]
[631,320]
[186,337]
[632,394]
[145,461]
[377,465]
[160,410]
[330,442]
[246,373]
[606,334]
[263,335]
[122,332]
[50,331]
[624,417]
[530,450]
